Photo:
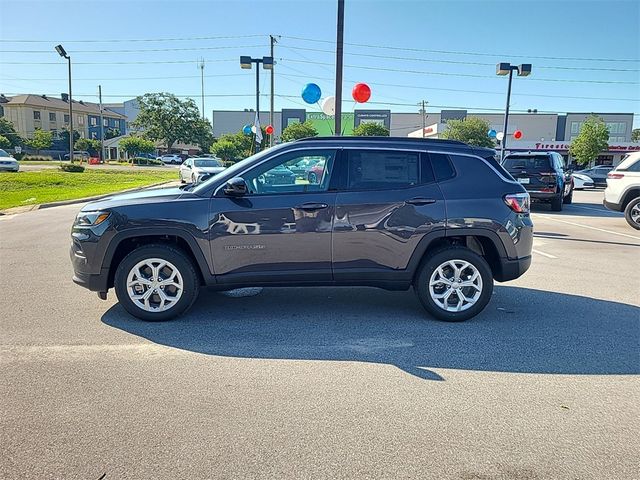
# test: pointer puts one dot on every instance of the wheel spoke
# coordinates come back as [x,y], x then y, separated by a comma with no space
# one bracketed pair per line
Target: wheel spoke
[154,298]
[462,275]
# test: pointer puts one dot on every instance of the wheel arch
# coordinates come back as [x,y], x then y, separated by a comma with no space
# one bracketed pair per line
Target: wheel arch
[629,195]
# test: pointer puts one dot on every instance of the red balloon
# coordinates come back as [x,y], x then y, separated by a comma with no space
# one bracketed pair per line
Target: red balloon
[517,134]
[269,129]
[361,92]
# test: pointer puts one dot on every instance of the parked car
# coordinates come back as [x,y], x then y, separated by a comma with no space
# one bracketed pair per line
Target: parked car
[543,175]
[623,189]
[393,213]
[597,174]
[581,181]
[193,169]
[78,155]
[8,163]
[279,175]
[173,159]
[301,168]
[316,172]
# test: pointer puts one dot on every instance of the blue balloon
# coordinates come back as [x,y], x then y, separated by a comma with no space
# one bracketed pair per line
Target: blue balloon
[311,93]
[492,133]
[246,129]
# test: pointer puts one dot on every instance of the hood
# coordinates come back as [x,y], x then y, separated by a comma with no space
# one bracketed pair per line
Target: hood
[138,197]
[215,170]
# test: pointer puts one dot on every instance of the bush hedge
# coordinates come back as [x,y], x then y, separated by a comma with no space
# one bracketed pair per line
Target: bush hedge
[141,161]
[34,158]
[72,168]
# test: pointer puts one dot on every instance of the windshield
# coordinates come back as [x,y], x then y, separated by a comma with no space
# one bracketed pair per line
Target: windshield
[237,168]
[527,162]
[207,162]
[4,154]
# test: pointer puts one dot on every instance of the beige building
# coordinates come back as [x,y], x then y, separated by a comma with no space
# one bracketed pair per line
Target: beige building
[31,112]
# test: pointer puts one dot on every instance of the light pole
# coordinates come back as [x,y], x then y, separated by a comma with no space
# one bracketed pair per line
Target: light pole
[523,70]
[62,52]
[267,63]
[339,59]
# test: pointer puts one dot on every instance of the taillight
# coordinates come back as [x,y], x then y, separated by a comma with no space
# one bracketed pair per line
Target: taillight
[518,202]
[615,175]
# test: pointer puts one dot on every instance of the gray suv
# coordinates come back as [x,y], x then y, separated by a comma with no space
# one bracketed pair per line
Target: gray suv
[441,216]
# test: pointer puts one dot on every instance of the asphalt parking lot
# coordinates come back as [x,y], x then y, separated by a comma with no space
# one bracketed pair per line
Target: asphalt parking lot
[326,382]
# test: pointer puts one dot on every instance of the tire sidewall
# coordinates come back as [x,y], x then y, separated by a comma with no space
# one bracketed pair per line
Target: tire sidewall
[627,213]
[434,261]
[179,260]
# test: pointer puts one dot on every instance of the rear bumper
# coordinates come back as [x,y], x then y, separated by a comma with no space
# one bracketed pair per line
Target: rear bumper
[512,269]
[612,206]
[537,196]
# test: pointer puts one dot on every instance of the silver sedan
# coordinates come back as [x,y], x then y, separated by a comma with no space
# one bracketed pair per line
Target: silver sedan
[8,163]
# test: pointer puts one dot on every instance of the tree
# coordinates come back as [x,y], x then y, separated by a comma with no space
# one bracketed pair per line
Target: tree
[371,129]
[204,134]
[592,139]
[225,149]
[64,138]
[8,131]
[41,140]
[635,135]
[4,142]
[471,130]
[111,133]
[296,131]
[90,145]
[136,145]
[164,117]
[236,146]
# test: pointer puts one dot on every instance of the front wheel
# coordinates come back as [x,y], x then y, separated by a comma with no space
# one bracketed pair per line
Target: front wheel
[156,282]
[454,284]
[632,213]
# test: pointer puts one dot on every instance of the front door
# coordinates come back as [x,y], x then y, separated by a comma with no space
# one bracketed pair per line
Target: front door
[387,204]
[281,230]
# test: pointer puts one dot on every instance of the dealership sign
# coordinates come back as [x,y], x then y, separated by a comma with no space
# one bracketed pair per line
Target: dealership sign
[563,146]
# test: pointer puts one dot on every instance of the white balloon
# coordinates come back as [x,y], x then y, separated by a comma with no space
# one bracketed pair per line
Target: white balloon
[329,105]
[253,128]
[500,135]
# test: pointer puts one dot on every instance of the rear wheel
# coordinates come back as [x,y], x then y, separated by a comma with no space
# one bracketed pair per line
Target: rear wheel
[454,284]
[156,282]
[632,213]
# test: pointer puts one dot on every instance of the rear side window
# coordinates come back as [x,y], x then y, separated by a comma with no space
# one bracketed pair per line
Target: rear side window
[382,170]
[527,162]
[634,167]
[442,167]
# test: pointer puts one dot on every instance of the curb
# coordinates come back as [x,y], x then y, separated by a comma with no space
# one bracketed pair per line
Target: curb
[29,208]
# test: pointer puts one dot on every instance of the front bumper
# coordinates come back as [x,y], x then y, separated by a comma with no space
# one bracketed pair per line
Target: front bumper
[511,269]
[96,282]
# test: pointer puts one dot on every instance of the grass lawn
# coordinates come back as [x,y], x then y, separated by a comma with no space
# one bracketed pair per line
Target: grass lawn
[39,162]
[28,188]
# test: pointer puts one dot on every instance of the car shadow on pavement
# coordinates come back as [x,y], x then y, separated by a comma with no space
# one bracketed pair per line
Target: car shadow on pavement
[521,330]
[576,210]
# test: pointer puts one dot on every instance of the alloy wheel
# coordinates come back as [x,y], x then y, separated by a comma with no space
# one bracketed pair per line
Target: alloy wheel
[154,285]
[455,286]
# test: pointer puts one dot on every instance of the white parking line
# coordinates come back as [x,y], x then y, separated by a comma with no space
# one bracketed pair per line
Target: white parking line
[589,227]
[548,255]
[601,210]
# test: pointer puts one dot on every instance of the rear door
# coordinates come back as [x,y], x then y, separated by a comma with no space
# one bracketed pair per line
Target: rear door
[387,202]
[536,173]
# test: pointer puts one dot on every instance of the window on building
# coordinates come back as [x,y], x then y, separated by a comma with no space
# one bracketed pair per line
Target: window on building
[36,115]
[105,122]
[622,128]
[66,118]
[52,116]
[94,121]
[575,128]
[80,120]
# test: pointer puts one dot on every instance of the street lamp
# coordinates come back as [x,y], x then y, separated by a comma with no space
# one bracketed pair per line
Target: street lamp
[523,70]
[246,63]
[62,52]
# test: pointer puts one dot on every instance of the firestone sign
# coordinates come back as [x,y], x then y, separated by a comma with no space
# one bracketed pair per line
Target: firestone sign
[626,147]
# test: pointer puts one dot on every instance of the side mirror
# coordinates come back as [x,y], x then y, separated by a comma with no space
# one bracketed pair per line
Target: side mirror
[236,187]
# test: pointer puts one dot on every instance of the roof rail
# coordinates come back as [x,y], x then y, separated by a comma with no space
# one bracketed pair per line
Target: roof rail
[385,139]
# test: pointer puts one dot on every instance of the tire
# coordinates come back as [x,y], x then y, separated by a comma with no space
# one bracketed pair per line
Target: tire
[556,203]
[457,255]
[188,278]
[313,178]
[568,200]
[193,179]
[632,213]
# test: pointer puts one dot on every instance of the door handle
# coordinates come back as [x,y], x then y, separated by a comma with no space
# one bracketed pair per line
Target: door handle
[311,206]
[420,201]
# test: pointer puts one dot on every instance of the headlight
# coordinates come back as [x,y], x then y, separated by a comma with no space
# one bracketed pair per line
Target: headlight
[91,219]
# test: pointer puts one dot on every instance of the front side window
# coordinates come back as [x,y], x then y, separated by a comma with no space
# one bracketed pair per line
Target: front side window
[382,170]
[278,176]
[206,163]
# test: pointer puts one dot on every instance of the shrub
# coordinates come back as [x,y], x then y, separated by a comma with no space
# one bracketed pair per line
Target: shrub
[141,161]
[72,168]
[34,158]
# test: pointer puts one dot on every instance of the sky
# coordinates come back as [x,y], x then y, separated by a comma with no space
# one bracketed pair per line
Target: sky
[585,54]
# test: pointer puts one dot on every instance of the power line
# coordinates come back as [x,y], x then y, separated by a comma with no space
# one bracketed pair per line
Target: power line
[461,90]
[144,62]
[448,74]
[458,62]
[454,52]
[127,40]
[135,78]
[143,50]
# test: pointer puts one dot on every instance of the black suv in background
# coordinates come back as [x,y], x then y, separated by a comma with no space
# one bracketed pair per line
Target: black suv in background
[544,175]
[441,216]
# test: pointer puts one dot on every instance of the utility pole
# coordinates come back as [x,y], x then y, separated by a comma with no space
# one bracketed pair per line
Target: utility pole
[273,41]
[423,111]
[202,84]
[101,124]
[339,56]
